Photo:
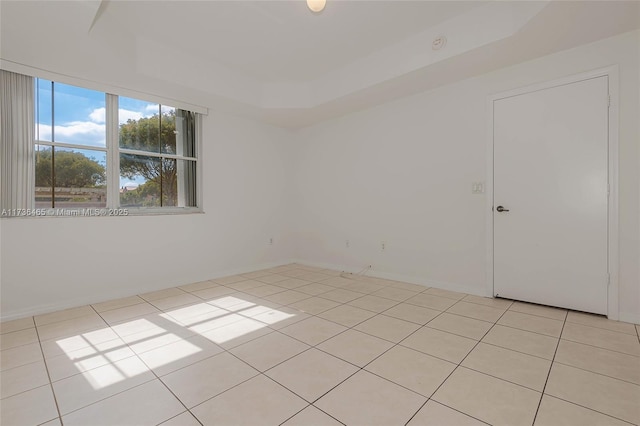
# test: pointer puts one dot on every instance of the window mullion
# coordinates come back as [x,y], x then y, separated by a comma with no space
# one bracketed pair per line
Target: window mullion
[156,155]
[113,156]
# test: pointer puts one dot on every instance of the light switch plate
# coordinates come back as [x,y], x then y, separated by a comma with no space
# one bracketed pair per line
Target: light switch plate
[477,188]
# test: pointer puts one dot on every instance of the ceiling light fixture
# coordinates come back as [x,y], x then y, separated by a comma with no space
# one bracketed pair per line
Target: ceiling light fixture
[316,6]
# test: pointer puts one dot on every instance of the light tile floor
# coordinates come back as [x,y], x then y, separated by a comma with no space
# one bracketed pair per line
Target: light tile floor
[297,345]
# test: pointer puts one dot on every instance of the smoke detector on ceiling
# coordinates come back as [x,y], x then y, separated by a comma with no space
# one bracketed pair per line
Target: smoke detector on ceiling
[439,42]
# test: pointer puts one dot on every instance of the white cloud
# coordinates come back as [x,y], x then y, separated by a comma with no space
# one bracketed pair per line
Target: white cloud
[93,131]
[84,128]
[152,108]
[98,115]
[76,132]
[125,115]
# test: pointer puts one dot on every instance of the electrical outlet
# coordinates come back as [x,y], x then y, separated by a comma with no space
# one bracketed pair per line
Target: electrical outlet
[271,241]
[383,245]
[347,244]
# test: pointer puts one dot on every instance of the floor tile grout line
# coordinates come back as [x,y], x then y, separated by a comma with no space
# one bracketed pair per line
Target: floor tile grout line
[317,408]
[20,366]
[107,397]
[360,368]
[17,331]
[600,347]
[428,354]
[522,329]
[510,301]
[454,409]
[295,414]
[589,408]
[501,378]
[61,320]
[544,388]
[462,360]
[140,295]
[397,384]
[117,393]
[142,301]
[352,327]
[310,403]
[455,334]
[602,328]
[46,366]
[473,318]
[515,350]
[152,372]
[598,373]
[177,415]
[258,372]
[347,303]
[537,315]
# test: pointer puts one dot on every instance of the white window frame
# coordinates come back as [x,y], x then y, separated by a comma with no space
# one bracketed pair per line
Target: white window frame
[113,150]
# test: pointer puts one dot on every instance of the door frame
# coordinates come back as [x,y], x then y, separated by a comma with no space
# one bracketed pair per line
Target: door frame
[612,73]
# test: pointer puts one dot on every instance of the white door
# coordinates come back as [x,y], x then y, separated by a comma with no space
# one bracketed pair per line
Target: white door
[550,183]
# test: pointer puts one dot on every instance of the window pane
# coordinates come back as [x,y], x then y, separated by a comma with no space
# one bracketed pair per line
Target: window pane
[79,115]
[80,178]
[168,133]
[44,176]
[144,179]
[43,110]
[140,181]
[169,182]
[139,124]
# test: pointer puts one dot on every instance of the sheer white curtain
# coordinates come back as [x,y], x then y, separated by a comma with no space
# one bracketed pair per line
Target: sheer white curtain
[17,127]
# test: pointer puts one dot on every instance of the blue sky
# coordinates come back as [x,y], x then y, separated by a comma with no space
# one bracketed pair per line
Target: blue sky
[79,117]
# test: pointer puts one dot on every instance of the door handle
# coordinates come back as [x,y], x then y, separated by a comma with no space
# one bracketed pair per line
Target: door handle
[501,209]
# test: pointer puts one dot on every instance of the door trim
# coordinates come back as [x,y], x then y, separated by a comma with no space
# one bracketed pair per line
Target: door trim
[613,235]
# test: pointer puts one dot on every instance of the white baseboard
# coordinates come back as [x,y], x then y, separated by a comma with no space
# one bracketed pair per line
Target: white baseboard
[629,317]
[72,303]
[103,297]
[399,277]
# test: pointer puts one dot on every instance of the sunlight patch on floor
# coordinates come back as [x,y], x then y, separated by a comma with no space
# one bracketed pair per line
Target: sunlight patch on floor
[221,320]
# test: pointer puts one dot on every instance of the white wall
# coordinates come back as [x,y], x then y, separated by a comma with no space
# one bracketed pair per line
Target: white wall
[50,263]
[402,173]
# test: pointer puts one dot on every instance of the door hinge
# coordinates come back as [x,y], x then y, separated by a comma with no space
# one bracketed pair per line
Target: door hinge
[609,101]
[608,280]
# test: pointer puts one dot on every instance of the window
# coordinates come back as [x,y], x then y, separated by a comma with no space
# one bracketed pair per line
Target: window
[142,156]
[157,155]
[71,149]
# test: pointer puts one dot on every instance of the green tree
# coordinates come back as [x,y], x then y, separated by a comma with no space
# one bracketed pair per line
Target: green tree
[145,195]
[73,170]
[152,134]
